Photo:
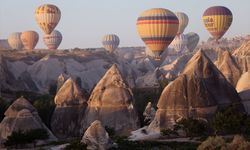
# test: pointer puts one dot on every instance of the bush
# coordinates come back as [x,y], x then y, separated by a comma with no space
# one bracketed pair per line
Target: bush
[218,143]
[229,121]
[76,145]
[238,143]
[45,107]
[25,137]
[168,132]
[213,143]
[192,127]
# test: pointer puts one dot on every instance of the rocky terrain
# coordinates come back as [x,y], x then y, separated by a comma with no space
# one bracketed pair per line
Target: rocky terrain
[99,92]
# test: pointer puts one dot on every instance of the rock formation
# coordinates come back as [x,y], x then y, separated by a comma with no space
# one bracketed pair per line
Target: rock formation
[96,137]
[21,115]
[149,113]
[171,71]
[60,81]
[243,88]
[150,80]
[242,56]
[244,82]
[228,67]
[69,111]
[198,92]
[111,102]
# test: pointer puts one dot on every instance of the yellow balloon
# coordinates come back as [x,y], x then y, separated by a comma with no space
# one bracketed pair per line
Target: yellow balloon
[157,27]
[47,17]
[217,20]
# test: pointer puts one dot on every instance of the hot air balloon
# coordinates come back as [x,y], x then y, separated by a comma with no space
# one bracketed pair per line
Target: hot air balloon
[29,39]
[179,43]
[193,40]
[47,17]
[157,27]
[110,42]
[52,40]
[183,21]
[14,40]
[217,20]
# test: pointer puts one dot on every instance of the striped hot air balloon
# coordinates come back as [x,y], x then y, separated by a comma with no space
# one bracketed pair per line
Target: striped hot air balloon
[183,21]
[47,17]
[29,39]
[14,40]
[179,43]
[193,40]
[52,40]
[110,42]
[157,27]
[217,20]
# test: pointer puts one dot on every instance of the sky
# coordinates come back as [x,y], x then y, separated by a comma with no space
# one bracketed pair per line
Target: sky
[85,22]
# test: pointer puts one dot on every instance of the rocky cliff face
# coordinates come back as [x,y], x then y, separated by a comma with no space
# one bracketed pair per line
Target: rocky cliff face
[111,102]
[21,115]
[69,111]
[243,88]
[198,92]
[228,66]
[242,56]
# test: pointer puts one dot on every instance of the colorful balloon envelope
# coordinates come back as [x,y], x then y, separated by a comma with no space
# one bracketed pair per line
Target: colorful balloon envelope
[47,17]
[183,21]
[29,39]
[52,40]
[157,27]
[179,43]
[110,42]
[217,20]
[14,40]
[193,40]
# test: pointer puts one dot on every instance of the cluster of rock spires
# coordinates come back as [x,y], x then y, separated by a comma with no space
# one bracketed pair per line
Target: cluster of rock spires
[229,67]
[198,92]
[21,115]
[111,102]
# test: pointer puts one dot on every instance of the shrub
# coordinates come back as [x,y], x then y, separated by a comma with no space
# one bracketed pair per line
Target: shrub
[25,137]
[45,107]
[192,127]
[238,143]
[228,121]
[168,132]
[213,143]
[76,145]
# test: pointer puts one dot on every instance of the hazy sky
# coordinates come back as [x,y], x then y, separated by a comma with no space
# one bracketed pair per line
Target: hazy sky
[84,22]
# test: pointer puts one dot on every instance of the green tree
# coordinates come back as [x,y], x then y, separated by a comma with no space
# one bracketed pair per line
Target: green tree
[45,107]
[20,138]
[228,121]
[193,127]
